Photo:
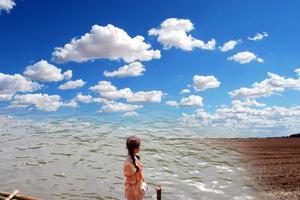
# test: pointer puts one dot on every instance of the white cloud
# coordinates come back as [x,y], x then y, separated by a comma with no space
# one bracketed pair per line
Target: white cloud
[173,32]
[298,71]
[245,57]
[6,97]
[131,114]
[11,84]
[130,70]
[40,101]
[146,97]
[229,45]
[210,45]
[43,71]
[105,42]
[205,82]
[258,36]
[68,74]
[267,87]
[171,103]
[109,91]
[119,107]
[70,104]
[83,98]
[72,85]
[191,100]
[248,116]
[185,91]
[7,5]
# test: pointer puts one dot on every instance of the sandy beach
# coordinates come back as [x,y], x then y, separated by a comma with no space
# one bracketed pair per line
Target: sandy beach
[274,163]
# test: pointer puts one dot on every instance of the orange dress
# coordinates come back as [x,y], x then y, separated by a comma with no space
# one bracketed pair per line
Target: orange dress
[133,180]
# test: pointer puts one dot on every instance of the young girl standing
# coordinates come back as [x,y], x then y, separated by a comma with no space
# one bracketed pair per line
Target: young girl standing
[133,170]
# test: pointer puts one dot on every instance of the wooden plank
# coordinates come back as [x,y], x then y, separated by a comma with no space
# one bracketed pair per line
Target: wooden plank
[18,197]
[12,195]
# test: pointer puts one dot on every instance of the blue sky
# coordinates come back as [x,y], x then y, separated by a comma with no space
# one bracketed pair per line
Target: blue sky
[176,55]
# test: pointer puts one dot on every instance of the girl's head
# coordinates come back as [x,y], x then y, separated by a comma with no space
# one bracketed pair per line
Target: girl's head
[133,144]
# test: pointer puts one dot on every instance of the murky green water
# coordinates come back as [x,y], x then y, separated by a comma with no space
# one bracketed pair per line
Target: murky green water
[83,160]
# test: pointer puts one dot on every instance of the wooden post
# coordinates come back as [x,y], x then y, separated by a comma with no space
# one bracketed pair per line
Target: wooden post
[158,192]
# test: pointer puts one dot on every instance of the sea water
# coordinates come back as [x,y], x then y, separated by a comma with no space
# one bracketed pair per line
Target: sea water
[83,159]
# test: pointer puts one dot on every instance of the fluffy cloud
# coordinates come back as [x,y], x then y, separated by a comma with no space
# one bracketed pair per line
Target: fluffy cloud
[171,103]
[7,5]
[109,91]
[185,91]
[6,97]
[191,100]
[107,42]
[83,98]
[68,74]
[267,87]
[119,107]
[40,101]
[146,97]
[174,33]
[130,70]
[131,114]
[72,85]
[229,45]
[245,57]
[249,115]
[210,45]
[205,82]
[43,71]
[10,84]
[258,36]
[298,71]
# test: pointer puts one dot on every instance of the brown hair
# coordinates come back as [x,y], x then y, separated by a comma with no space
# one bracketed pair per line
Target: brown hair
[132,143]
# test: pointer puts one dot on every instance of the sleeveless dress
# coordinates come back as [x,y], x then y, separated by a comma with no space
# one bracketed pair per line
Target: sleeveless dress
[133,179]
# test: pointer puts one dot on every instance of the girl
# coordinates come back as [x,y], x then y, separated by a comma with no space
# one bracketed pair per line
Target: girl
[133,170]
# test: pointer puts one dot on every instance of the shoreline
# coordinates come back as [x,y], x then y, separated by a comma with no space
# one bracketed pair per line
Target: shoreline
[273,162]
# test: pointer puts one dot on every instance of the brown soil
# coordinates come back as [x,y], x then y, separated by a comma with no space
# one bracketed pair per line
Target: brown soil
[274,163]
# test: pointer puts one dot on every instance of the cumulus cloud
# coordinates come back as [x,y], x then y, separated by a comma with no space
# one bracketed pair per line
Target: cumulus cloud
[191,100]
[11,84]
[258,36]
[109,91]
[43,71]
[130,70]
[70,104]
[173,32]
[119,107]
[248,115]
[267,87]
[245,57]
[105,42]
[146,97]
[68,74]
[185,91]
[205,82]
[6,97]
[229,45]
[7,5]
[298,71]
[171,103]
[131,114]
[72,85]
[83,98]
[39,101]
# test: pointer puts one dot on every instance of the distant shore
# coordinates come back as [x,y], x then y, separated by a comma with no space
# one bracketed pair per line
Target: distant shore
[273,162]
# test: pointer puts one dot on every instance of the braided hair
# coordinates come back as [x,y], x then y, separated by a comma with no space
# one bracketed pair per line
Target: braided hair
[132,143]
